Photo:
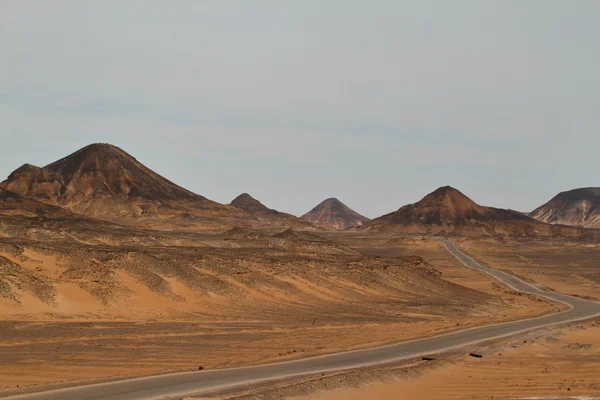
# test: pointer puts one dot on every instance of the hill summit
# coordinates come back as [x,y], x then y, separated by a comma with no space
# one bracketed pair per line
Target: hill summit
[97,170]
[447,206]
[250,204]
[578,207]
[276,218]
[105,182]
[332,213]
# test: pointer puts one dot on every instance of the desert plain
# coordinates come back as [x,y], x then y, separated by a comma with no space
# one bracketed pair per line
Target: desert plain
[250,299]
[109,271]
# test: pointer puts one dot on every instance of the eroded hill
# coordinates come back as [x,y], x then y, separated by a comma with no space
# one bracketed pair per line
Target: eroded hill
[578,207]
[332,213]
[136,282]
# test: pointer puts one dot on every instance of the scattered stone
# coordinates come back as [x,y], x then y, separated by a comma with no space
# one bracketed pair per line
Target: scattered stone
[475,355]
[578,346]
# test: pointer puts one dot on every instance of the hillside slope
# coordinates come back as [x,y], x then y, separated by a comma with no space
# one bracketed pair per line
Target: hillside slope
[13,204]
[578,207]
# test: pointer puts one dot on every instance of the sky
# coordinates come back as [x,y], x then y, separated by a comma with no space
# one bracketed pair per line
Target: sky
[376,102]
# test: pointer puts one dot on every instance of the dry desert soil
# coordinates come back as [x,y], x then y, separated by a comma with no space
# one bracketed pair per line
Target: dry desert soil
[561,363]
[72,312]
[554,363]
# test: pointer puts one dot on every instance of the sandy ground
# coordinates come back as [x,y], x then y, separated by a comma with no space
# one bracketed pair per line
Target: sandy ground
[562,366]
[558,363]
[142,311]
[567,267]
[452,270]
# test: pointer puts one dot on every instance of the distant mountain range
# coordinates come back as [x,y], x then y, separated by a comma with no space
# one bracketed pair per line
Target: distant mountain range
[332,213]
[447,210]
[103,182]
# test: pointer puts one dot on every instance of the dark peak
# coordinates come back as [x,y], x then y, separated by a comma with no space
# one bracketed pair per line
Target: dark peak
[25,169]
[332,213]
[588,193]
[245,198]
[448,209]
[447,191]
[444,189]
[331,203]
[98,152]
[447,194]
[100,146]
[95,147]
[250,204]
[101,169]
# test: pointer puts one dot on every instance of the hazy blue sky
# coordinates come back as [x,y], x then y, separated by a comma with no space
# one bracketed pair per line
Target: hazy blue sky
[374,102]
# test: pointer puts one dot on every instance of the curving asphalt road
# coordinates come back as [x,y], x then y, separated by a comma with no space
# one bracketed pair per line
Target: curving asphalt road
[180,384]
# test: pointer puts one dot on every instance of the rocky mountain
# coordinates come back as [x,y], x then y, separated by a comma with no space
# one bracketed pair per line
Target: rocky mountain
[332,213]
[578,207]
[102,181]
[447,210]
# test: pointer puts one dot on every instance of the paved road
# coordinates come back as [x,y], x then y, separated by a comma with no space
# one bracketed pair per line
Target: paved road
[180,384]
